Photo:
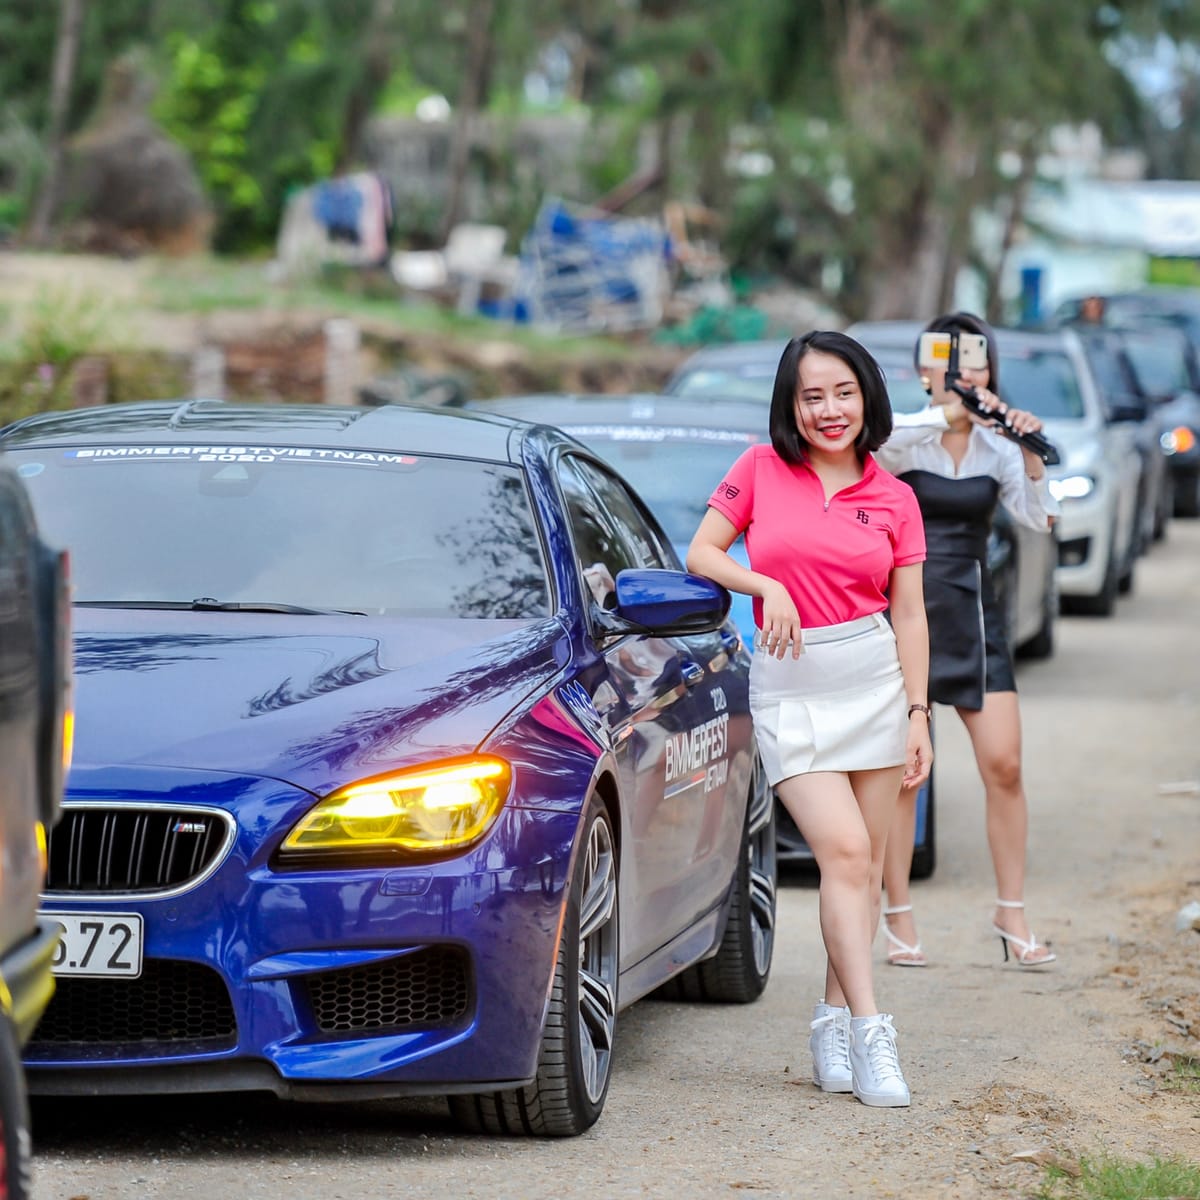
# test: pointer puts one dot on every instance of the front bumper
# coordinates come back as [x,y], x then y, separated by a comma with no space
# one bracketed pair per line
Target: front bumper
[378,981]
[1085,542]
[27,980]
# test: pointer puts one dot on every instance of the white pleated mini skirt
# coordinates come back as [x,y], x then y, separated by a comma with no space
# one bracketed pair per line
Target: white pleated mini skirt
[840,706]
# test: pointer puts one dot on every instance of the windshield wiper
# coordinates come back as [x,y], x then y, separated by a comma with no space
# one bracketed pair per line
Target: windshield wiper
[208,604]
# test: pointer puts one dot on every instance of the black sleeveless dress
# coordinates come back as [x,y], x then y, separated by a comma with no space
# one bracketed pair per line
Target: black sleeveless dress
[968,643]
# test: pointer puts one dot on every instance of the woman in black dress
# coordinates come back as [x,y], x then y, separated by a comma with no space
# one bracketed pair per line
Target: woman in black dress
[960,468]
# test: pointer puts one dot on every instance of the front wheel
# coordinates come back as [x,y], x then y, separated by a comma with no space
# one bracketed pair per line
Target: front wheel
[575,1062]
[15,1142]
[738,972]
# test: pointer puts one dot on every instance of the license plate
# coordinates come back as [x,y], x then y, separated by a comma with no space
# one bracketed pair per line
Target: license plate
[98,944]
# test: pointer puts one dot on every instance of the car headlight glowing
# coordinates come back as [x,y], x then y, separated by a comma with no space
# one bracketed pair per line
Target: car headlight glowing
[1178,440]
[1072,487]
[429,809]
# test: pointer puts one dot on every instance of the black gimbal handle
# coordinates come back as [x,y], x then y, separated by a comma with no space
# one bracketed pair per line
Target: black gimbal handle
[1045,450]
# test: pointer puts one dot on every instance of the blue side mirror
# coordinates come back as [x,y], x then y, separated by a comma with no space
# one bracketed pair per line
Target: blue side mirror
[669,603]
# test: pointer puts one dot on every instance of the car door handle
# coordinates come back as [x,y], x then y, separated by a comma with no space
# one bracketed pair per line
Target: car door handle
[692,672]
[729,640]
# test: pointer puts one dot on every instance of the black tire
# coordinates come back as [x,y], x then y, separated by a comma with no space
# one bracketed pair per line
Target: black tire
[924,858]
[738,972]
[1104,602]
[1187,494]
[16,1172]
[575,1061]
[1041,645]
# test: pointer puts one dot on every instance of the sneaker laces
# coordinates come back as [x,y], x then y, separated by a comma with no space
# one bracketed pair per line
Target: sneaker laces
[835,1038]
[880,1041]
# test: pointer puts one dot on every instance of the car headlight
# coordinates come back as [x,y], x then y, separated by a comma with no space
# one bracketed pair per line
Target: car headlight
[429,809]
[1178,440]
[1072,487]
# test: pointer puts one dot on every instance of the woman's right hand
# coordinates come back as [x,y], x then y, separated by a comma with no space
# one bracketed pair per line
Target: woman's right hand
[781,629]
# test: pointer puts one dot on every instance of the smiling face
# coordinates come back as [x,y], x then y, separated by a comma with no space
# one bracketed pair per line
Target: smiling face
[829,403]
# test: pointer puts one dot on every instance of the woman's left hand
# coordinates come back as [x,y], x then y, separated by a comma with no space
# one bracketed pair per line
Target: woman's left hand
[918,754]
[1020,420]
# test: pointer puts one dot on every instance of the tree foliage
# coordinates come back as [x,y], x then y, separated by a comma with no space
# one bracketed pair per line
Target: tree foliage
[847,144]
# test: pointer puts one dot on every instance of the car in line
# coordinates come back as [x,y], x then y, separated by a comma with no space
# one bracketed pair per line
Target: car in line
[674,452]
[1111,354]
[1169,369]
[1097,481]
[35,743]
[407,758]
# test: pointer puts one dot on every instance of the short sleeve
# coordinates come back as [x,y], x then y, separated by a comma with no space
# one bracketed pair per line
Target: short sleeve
[733,497]
[909,544]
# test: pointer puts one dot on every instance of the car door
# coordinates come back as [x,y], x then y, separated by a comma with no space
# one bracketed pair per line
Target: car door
[667,708]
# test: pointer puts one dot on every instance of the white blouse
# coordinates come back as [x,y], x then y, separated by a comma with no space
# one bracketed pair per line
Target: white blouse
[916,445]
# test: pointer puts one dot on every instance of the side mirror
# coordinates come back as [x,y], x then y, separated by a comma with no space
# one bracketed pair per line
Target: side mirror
[665,604]
[1128,407]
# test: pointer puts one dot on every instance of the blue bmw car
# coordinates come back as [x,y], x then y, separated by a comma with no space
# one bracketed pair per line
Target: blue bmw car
[407,756]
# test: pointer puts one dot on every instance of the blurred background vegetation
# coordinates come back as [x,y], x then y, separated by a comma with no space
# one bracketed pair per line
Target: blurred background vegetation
[844,147]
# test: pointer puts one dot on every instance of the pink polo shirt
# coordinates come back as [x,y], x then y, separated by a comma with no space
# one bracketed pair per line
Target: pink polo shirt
[835,559]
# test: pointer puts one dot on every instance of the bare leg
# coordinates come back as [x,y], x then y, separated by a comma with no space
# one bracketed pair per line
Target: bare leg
[897,866]
[845,819]
[995,732]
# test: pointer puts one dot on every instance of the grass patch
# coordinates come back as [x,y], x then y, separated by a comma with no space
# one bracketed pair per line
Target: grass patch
[1117,1179]
[1185,1075]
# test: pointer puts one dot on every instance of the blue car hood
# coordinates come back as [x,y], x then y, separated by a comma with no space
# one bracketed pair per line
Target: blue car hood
[314,701]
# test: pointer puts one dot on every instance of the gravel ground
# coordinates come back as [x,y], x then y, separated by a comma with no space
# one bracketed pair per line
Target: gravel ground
[1009,1068]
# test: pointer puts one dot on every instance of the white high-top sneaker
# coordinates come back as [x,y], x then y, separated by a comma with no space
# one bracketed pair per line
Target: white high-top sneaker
[830,1045]
[874,1063]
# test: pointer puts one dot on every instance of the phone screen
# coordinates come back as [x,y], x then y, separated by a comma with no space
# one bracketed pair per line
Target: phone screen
[934,350]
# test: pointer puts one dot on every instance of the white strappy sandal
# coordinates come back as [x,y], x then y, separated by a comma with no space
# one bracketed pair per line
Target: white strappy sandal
[1023,951]
[913,956]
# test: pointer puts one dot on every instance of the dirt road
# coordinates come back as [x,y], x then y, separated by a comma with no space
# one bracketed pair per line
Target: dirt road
[1006,1066]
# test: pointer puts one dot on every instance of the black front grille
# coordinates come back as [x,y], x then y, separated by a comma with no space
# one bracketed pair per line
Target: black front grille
[169,1002]
[102,848]
[427,987]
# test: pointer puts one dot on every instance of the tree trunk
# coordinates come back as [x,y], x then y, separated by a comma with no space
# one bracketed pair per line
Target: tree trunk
[377,66]
[479,51]
[994,276]
[66,52]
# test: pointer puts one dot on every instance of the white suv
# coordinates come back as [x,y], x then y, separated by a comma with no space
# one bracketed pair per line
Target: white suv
[1096,484]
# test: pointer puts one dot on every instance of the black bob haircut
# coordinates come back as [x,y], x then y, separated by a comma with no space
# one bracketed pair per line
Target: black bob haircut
[965,322]
[877,408]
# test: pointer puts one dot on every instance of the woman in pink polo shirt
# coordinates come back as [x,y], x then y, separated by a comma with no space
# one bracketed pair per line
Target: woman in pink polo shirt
[838,695]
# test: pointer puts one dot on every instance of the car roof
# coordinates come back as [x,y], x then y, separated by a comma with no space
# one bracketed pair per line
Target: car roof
[387,427]
[641,408]
[733,354]
[890,335]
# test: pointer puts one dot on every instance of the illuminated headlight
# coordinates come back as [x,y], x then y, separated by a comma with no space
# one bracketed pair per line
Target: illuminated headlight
[1178,440]
[429,809]
[1072,487]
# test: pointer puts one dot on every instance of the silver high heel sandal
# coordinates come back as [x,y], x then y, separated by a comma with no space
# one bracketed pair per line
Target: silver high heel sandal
[1023,951]
[903,955]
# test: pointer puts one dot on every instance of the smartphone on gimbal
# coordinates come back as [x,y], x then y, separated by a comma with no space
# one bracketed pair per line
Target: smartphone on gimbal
[934,350]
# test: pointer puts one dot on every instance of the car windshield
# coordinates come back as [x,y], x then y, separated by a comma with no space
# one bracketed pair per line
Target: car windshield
[746,381]
[1158,361]
[1041,381]
[674,470]
[359,531]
